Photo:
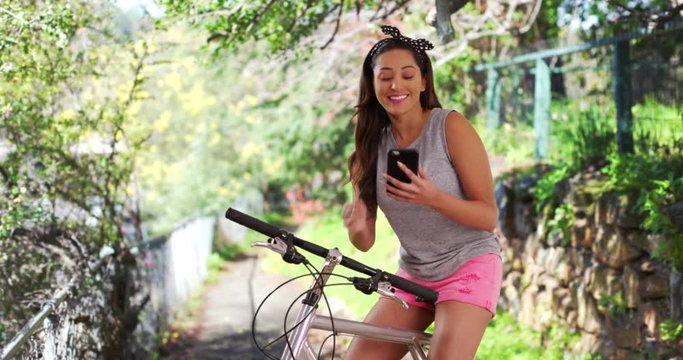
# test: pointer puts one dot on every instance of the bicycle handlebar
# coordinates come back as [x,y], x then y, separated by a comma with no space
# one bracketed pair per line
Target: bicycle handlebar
[428,295]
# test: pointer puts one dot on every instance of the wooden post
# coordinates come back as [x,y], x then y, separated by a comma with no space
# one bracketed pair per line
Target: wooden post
[493,99]
[542,97]
[621,85]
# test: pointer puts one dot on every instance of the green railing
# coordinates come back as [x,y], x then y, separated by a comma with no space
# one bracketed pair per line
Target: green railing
[621,67]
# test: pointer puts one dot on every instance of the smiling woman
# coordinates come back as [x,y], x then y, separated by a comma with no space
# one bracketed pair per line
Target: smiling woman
[443,217]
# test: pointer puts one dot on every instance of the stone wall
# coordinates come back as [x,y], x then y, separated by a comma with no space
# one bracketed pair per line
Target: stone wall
[596,275]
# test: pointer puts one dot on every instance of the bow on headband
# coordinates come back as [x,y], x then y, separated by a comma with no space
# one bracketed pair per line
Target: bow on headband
[419,45]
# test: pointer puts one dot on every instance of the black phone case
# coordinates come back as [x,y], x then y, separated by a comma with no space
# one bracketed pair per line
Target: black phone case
[409,158]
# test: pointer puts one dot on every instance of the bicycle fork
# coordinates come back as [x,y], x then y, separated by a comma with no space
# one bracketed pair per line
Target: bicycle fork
[297,342]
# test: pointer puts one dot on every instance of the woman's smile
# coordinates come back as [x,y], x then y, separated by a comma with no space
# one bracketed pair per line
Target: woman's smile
[397,99]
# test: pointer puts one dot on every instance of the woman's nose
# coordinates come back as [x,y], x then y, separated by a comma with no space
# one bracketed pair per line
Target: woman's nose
[394,86]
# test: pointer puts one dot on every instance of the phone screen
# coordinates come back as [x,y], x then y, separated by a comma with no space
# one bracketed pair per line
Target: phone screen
[409,158]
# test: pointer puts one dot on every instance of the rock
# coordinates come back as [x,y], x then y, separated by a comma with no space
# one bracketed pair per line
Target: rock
[527,314]
[645,242]
[610,249]
[554,259]
[618,209]
[512,300]
[581,234]
[651,314]
[676,287]
[603,281]
[562,302]
[571,319]
[524,222]
[648,266]
[653,287]
[580,259]
[589,344]
[588,317]
[624,333]
[675,212]
[631,288]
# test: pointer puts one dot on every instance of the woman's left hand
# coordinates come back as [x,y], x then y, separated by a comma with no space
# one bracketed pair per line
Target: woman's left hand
[421,189]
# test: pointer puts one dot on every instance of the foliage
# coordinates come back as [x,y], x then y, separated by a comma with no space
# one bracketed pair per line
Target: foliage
[545,189]
[615,305]
[670,330]
[582,138]
[68,140]
[506,338]
[560,225]
[229,251]
[454,85]
[281,24]
[284,125]
[614,17]
[659,182]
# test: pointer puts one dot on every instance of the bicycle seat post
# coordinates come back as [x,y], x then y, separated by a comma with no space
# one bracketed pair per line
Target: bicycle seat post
[307,313]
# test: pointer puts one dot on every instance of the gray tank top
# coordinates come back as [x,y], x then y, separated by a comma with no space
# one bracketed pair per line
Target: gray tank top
[432,246]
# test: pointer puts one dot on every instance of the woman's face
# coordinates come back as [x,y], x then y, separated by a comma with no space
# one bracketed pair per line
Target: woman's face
[398,82]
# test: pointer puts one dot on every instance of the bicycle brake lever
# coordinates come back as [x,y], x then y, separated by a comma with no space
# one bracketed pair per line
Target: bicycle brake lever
[384,288]
[274,244]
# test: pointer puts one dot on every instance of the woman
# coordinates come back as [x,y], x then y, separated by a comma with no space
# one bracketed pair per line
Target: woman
[444,218]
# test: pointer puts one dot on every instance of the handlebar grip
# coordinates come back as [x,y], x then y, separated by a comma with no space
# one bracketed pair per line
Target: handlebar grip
[427,294]
[252,223]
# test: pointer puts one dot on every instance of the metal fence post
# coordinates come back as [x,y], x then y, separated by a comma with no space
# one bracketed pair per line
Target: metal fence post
[621,85]
[542,97]
[493,99]
[50,325]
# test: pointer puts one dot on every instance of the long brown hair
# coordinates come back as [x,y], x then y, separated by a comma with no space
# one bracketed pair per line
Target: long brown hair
[371,119]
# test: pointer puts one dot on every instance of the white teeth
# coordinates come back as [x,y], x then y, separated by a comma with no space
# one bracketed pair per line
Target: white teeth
[398,97]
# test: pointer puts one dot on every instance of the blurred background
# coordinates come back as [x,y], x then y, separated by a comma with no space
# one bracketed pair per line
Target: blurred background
[128,127]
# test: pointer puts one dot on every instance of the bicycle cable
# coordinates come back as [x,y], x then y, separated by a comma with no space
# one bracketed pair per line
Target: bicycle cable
[319,285]
[258,309]
[287,331]
[329,308]
[311,273]
[320,351]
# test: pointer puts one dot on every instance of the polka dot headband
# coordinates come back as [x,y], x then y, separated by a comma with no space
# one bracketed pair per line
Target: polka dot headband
[419,45]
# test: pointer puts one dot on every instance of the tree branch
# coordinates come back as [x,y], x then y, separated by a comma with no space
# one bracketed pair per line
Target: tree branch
[442,22]
[397,6]
[336,25]
[256,18]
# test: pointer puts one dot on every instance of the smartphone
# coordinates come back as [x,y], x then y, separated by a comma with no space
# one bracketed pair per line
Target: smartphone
[409,158]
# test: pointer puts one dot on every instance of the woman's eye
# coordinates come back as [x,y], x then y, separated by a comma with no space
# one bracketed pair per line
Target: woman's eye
[408,77]
[384,79]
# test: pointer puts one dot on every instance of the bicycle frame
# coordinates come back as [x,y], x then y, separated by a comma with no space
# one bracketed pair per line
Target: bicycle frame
[307,319]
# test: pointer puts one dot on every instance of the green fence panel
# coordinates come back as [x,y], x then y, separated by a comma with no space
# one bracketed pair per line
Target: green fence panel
[542,98]
[621,85]
[493,99]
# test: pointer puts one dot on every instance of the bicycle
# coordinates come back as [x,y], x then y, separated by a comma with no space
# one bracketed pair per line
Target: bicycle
[379,281]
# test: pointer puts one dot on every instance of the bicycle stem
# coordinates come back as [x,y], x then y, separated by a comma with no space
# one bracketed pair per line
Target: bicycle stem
[307,313]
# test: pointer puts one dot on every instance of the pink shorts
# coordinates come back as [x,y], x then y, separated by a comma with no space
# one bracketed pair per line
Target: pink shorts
[476,282]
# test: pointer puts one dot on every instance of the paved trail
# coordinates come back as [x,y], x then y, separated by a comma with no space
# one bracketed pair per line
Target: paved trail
[225,321]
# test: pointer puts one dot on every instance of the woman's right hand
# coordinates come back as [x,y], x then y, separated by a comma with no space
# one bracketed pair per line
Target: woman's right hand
[359,226]
[355,215]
